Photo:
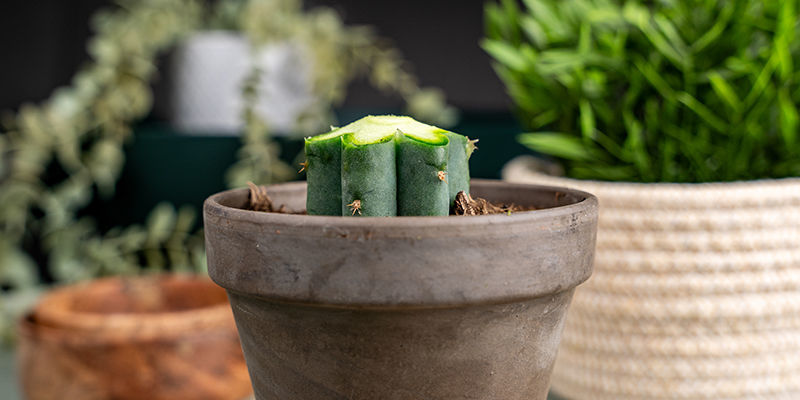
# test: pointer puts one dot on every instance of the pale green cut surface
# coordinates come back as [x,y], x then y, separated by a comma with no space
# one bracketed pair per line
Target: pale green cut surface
[380,128]
[335,132]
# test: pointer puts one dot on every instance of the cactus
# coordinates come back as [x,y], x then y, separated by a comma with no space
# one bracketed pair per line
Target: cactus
[386,166]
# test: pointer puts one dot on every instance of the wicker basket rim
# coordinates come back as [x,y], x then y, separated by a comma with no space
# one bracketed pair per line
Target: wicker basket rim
[524,164]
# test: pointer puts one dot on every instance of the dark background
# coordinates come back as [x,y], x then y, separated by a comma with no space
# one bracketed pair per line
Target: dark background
[43,43]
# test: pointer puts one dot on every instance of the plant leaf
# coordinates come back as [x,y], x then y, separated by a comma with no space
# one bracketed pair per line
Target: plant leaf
[787,25]
[160,223]
[533,30]
[587,120]
[715,31]
[505,54]
[557,144]
[655,79]
[789,117]
[725,91]
[703,112]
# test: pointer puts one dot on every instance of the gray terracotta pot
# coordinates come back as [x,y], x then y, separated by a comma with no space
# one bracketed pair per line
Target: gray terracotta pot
[404,307]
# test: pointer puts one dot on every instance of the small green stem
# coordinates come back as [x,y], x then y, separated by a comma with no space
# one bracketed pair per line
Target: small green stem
[369,179]
[323,173]
[459,151]
[422,175]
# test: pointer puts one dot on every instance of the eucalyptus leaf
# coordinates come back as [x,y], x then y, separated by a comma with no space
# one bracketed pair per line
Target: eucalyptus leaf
[17,269]
[3,156]
[160,223]
[13,305]
[429,105]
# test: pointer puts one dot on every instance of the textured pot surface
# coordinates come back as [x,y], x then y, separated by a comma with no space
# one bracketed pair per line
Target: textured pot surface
[695,292]
[132,338]
[403,307]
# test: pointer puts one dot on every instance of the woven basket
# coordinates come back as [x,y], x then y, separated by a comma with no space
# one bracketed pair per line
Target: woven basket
[695,292]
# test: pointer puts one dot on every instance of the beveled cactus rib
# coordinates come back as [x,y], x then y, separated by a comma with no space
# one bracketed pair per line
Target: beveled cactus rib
[368,175]
[420,159]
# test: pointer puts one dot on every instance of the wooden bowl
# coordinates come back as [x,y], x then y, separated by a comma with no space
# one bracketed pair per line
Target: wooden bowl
[167,337]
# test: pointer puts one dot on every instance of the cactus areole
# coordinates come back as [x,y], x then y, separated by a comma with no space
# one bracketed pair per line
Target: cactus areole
[386,166]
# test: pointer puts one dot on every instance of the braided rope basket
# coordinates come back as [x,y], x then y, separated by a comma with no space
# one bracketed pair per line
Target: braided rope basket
[695,292]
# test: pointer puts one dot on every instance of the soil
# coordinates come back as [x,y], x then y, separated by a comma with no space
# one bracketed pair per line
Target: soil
[260,201]
[464,205]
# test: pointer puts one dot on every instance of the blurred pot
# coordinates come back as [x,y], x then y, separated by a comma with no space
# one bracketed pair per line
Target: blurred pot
[403,307]
[209,70]
[163,337]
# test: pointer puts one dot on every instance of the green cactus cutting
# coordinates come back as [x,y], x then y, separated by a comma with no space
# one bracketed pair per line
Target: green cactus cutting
[386,166]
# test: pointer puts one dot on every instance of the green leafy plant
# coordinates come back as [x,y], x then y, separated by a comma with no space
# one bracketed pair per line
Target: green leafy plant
[80,130]
[386,166]
[672,91]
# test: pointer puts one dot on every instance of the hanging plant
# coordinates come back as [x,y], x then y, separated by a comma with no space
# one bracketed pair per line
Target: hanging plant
[55,157]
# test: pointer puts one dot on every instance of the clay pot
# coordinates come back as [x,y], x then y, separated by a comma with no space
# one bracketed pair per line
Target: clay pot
[132,338]
[405,307]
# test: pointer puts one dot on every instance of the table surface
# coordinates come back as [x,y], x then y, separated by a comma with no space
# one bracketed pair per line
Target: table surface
[8,378]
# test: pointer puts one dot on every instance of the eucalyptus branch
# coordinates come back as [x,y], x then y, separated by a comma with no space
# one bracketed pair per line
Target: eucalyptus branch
[81,128]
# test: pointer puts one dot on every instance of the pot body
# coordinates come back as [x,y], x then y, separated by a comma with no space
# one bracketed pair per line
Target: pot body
[132,338]
[695,293]
[403,307]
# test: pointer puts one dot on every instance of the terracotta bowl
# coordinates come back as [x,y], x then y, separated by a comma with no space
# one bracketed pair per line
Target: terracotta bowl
[165,337]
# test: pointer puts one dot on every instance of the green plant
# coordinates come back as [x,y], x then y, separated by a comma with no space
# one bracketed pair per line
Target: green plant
[57,156]
[386,166]
[673,90]
[80,131]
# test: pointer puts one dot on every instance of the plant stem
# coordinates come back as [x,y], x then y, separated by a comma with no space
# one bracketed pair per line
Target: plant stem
[324,175]
[369,178]
[459,151]
[422,175]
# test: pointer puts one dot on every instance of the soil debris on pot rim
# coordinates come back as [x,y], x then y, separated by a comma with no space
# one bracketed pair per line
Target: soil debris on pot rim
[465,204]
[259,200]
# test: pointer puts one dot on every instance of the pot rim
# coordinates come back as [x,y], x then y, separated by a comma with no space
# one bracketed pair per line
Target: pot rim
[526,164]
[403,262]
[213,207]
[53,317]
[668,196]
